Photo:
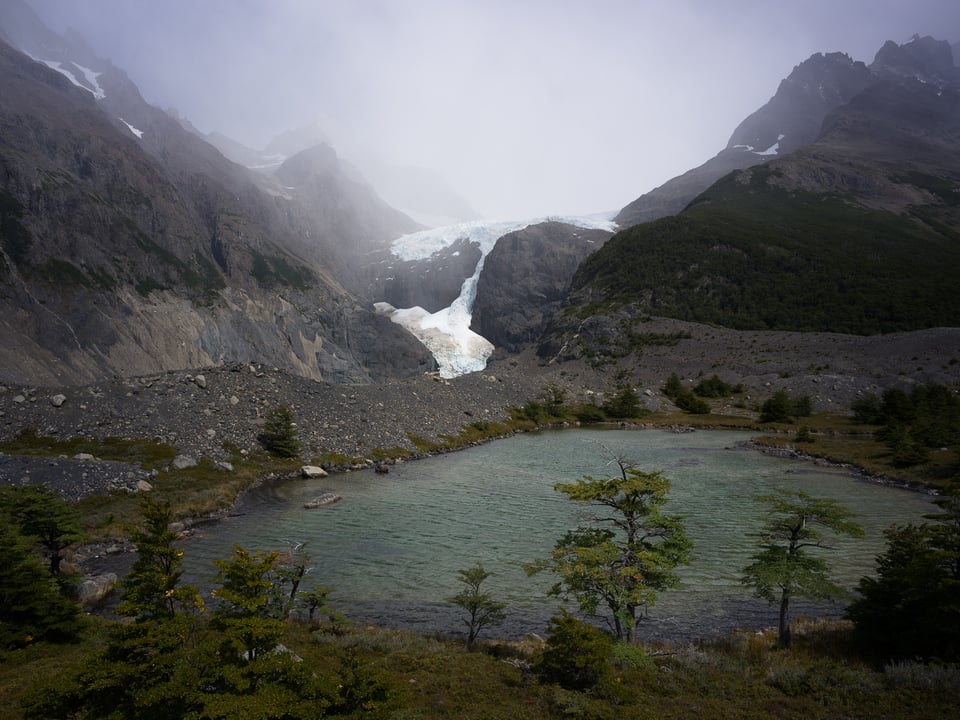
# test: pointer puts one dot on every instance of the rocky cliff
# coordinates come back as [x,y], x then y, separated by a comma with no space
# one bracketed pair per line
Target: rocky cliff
[129,246]
[525,279]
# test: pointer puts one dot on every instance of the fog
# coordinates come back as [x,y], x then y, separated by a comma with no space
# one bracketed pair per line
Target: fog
[527,107]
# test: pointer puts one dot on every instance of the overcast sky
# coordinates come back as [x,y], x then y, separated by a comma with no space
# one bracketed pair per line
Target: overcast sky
[527,107]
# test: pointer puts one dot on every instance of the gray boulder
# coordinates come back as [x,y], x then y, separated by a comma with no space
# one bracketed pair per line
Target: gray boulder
[94,590]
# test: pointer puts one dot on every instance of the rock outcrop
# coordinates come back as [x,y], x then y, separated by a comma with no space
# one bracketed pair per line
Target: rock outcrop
[433,283]
[525,279]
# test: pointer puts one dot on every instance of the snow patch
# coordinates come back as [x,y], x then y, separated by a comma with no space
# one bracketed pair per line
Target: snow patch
[93,87]
[446,333]
[773,149]
[91,77]
[138,133]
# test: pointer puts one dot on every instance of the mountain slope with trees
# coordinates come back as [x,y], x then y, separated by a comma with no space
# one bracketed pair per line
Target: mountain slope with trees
[855,233]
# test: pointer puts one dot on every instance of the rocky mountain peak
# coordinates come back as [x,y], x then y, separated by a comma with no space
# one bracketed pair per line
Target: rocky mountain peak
[792,117]
[317,160]
[290,142]
[923,58]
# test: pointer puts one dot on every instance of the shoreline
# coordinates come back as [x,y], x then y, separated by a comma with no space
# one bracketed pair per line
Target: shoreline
[738,616]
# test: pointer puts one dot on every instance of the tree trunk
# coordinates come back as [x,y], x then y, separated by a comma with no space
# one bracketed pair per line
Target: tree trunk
[784,632]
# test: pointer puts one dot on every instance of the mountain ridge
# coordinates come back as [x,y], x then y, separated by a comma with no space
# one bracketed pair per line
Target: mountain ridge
[793,117]
[132,246]
[856,232]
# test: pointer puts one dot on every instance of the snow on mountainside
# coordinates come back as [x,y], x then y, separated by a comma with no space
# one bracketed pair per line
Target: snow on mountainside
[446,333]
[90,76]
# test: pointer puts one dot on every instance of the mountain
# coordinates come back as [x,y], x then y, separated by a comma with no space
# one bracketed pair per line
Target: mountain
[129,245]
[790,120]
[355,222]
[421,193]
[857,232]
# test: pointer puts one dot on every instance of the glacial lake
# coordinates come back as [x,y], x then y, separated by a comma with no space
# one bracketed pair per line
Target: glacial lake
[392,546]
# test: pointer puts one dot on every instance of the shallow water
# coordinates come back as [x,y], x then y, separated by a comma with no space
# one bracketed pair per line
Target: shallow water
[392,546]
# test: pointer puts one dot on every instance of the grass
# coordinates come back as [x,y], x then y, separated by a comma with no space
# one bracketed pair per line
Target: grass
[862,451]
[199,491]
[741,675]
[149,453]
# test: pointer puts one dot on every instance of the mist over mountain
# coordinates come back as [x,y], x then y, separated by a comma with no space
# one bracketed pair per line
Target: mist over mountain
[130,245]
[279,254]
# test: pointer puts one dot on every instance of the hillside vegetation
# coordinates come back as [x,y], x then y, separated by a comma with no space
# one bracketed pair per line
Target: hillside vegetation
[751,256]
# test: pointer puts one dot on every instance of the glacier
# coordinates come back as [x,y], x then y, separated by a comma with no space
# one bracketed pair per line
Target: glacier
[446,333]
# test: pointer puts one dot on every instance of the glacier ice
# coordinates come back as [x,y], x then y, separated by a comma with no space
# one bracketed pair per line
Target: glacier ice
[446,333]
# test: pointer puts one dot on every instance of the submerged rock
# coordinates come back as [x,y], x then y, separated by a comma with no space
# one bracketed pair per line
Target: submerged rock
[327,498]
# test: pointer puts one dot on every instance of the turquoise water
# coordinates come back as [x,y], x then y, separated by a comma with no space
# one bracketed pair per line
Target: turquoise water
[392,546]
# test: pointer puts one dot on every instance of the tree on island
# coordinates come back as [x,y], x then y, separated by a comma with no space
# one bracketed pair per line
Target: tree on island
[784,569]
[482,609]
[627,556]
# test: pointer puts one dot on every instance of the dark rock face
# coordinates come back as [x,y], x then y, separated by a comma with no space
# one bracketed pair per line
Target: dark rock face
[432,284]
[923,58]
[793,117]
[525,279]
[790,120]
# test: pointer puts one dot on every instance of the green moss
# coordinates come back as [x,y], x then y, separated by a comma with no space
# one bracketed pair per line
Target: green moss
[336,459]
[394,453]
[149,453]
[273,270]
[144,286]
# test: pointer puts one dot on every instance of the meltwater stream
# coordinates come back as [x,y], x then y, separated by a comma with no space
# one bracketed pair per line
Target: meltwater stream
[392,547]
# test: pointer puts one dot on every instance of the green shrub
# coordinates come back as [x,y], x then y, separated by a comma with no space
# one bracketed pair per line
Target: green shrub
[577,655]
[714,387]
[867,410]
[688,402]
[279,435]
[683,398]
[625,404]
[805,435]
[588,413]
[778,408]
[631,657]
